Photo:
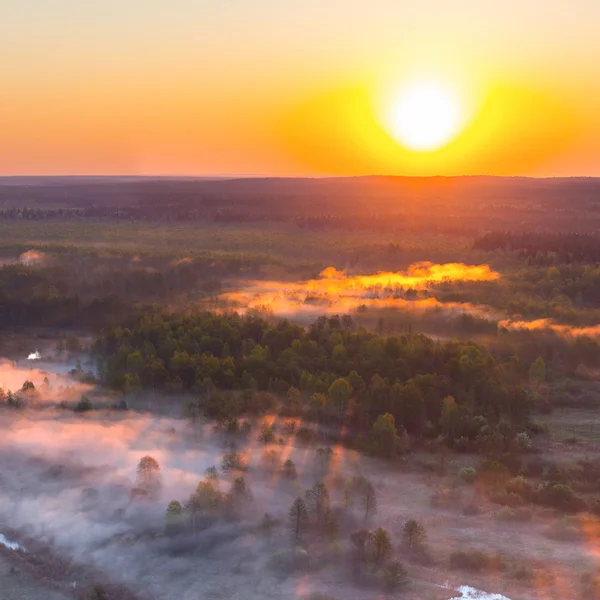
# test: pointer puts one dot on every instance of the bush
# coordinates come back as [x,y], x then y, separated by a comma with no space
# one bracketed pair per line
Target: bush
[98,593]
[446,498]
[471,510]
[289,469]
[509,499]
[83,405]
[462,444]
[476,561]
[523,573]
[562,531]
[521,443]
[233,462]
[505,514]
[394,575]
[266,435]
[289,561]
[523,514]
[492,472]
[559,496]
[519,485]
[305,435]
[467,474]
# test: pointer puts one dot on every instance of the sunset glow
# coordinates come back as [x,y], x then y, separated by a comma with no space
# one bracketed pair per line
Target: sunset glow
[200,88]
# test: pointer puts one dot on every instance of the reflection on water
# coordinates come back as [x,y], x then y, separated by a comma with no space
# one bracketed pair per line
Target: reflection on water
[470,593]
[4,541]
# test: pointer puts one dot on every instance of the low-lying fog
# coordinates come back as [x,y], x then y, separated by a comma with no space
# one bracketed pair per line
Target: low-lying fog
[66,479]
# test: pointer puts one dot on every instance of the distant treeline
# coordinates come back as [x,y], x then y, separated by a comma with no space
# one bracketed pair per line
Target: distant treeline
[545,248]
[447,204]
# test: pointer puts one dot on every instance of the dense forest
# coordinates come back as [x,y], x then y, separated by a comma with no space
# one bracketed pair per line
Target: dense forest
[545,248]
[332,371]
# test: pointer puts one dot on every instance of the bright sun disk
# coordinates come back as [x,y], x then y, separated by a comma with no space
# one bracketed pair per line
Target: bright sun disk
[425,116]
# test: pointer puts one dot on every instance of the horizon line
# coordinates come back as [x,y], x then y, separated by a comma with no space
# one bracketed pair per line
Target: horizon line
[225,177]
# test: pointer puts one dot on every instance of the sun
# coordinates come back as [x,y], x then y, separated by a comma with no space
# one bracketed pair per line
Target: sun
[425,116]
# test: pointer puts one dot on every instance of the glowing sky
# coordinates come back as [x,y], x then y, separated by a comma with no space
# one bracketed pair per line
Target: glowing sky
[278,87]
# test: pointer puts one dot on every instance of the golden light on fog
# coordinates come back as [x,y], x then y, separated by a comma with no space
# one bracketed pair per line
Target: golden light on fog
[425,116]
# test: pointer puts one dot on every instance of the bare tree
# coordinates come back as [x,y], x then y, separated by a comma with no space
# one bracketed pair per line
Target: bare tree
[359,539]
[367,496]
[414,534]
[318,500]
[298,518]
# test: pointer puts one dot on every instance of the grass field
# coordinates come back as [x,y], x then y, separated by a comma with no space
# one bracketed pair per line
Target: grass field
[275,241]
[19,585]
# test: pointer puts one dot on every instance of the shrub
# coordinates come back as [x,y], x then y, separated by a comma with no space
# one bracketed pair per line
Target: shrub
[83,405]
[523,514]
[519,485]
[536,427]
[394,575]
[266,435]
[476,561]
[305,435]
[98,593]
[492,472]
[462,444]
[523,573]
[445,497]
[505,514]
[509,499]
[233,462]
[562,531]
[522,442]
[467,474]
[471,510]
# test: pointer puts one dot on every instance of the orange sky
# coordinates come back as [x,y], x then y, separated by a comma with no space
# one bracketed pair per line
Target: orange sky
[265,87]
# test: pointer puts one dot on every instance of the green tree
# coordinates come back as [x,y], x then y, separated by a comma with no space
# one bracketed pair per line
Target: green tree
[339,395]
[450,417]
[537,370]
[173,517]
[135,363]
[148,474]
[294,401]
[380,546]
[175,509]
[205,500]
[98,593]
[385,436]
